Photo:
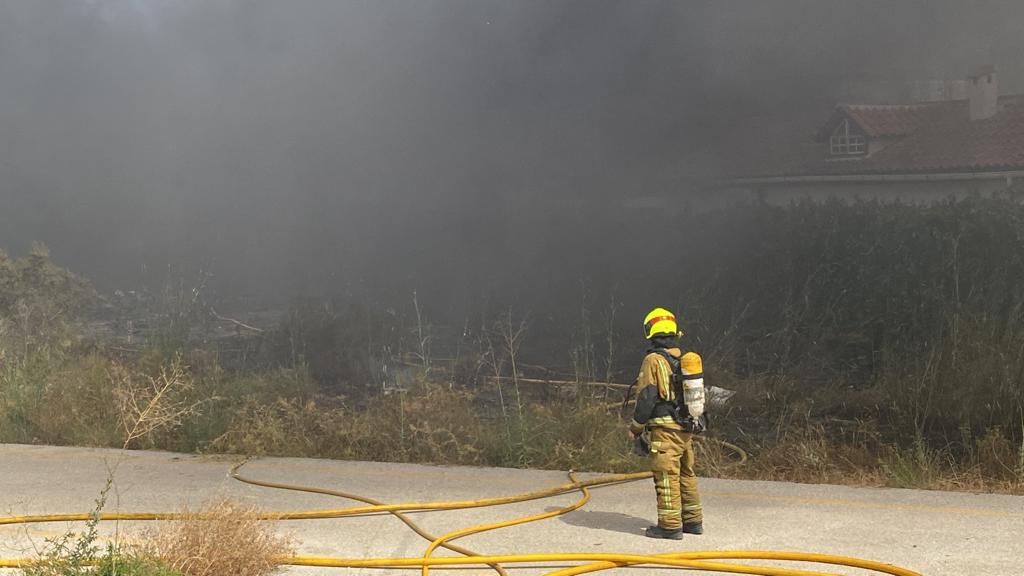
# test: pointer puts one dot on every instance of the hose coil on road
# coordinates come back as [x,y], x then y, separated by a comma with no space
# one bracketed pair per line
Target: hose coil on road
[579,563]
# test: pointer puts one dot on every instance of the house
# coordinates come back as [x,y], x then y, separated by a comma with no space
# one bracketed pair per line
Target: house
[916,152]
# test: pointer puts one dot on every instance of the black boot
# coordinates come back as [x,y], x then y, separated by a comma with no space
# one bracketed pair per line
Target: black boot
[694,528]
[665,533]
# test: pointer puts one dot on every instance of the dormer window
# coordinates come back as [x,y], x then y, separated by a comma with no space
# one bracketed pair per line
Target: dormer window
[847,142]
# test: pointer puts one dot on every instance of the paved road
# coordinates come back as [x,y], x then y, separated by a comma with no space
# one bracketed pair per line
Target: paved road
[936,533]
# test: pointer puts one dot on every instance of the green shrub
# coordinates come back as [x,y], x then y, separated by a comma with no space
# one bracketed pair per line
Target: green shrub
[79,554]
[126,565]
[38,303]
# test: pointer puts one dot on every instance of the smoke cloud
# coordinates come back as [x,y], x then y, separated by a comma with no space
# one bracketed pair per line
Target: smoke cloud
[338,147]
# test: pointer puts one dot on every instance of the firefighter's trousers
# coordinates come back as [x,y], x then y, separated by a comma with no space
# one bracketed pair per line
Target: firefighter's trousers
[674,480]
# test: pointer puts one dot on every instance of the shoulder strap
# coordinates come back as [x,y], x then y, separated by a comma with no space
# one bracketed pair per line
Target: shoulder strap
[676,382]
[673,362]
[680,411]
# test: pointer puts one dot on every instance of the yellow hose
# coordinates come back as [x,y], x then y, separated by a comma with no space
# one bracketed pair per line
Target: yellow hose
[442,541]
[692,560]
[341,512]
[754,555]
[739,451]
[585,562]
[405,519]
[354,511]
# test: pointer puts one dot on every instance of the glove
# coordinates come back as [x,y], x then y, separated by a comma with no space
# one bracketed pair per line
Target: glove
[641,446]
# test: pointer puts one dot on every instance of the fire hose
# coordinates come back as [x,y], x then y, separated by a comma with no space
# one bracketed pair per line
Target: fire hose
[571,563]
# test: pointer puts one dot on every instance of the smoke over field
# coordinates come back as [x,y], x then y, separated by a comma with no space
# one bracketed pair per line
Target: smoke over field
[319,199]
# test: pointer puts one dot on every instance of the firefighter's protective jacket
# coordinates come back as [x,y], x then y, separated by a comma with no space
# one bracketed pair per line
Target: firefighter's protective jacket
[654,385]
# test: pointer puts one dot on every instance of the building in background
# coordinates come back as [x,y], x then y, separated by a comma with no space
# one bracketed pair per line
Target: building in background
[961,139]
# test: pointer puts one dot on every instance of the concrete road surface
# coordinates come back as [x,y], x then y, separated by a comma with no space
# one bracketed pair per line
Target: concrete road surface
[935,533]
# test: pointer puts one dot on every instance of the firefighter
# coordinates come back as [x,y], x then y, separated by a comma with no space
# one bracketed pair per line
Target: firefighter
[669,411]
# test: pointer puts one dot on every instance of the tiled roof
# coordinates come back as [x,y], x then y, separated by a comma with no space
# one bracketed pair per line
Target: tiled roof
[934,137]
[885,121]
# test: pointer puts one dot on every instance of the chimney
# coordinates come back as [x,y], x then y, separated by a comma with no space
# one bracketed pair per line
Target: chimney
[983,93]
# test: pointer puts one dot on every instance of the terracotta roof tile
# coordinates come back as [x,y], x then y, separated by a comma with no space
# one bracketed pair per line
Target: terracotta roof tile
[884,121]
[920,138]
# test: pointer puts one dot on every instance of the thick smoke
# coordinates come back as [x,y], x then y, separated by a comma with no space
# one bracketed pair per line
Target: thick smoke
[335,147]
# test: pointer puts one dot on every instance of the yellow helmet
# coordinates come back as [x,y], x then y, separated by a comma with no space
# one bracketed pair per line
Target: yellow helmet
[660,322]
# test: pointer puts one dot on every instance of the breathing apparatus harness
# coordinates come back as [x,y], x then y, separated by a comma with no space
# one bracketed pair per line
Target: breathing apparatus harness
[677,407]
[686,407]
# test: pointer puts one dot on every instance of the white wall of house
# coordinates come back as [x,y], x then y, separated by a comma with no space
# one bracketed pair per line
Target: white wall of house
[709,198]
[913,192]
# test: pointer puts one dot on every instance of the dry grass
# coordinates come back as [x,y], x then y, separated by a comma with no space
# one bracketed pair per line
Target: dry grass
[150,404]
[813,454]
[222,538]
[435,424]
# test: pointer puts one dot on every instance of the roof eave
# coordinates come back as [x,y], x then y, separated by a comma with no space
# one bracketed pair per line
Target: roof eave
[890,177]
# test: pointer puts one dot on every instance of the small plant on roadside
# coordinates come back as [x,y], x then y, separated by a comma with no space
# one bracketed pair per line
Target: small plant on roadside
[128,565]
[222,538]
[72,554]
[148,404]
[81,554]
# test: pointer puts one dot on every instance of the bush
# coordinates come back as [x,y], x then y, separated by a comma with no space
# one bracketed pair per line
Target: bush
[124,565]
[429,424]
[38,303]
[923,304]
[111,564]
[222,538]
[435,424]
[80,555]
